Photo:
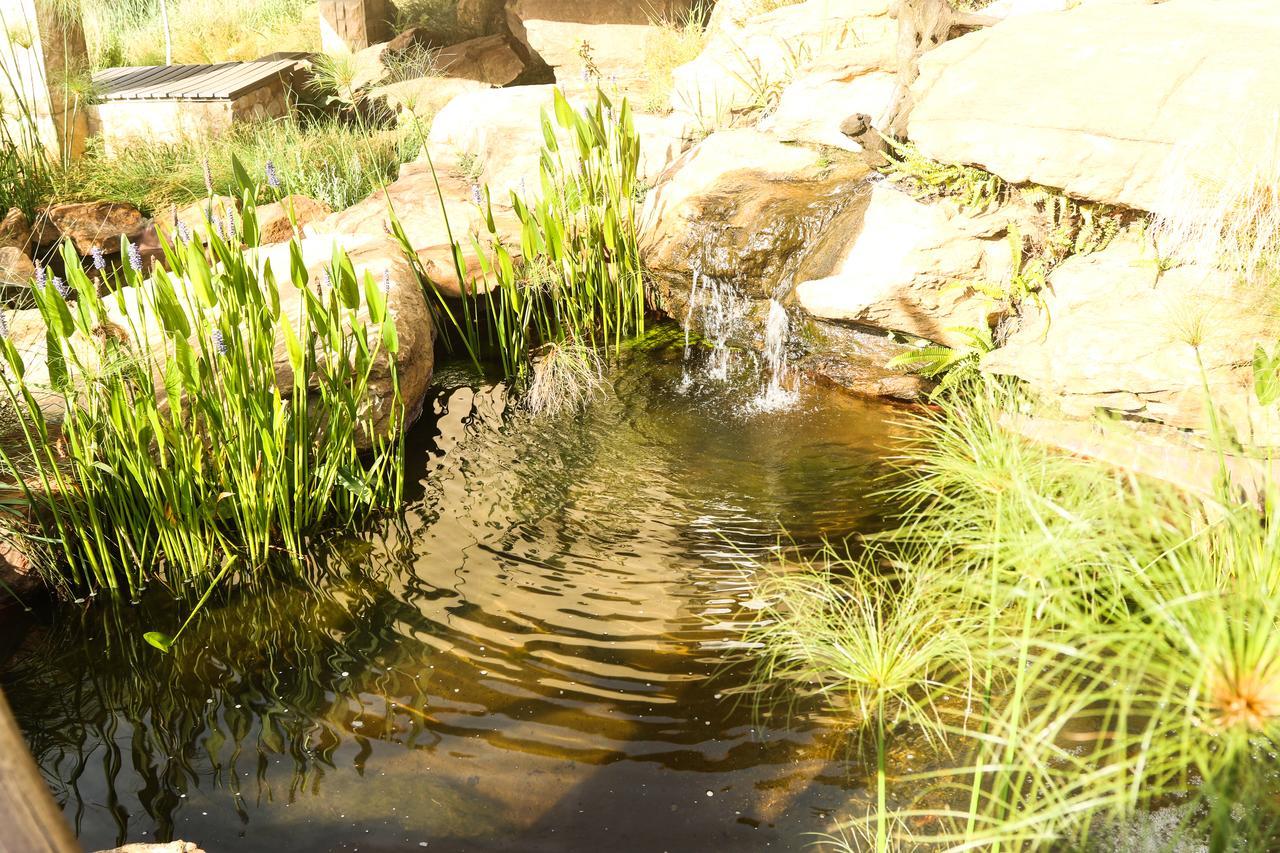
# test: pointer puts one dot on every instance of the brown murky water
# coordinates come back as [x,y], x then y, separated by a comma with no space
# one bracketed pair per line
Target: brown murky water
[538,657]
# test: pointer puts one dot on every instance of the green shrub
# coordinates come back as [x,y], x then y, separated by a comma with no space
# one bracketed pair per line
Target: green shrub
[180,449]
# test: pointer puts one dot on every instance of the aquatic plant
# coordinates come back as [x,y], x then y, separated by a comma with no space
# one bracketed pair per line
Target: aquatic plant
[171,442]
[577,282]
[1094,647]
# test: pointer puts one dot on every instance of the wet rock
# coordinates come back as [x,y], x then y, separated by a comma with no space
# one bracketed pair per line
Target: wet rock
[1128,97]
[1114,334]
[278,220]
[92,224]
[18,579]
[747,56]
[910,267]
[613,31]
[746,209]
[15,230]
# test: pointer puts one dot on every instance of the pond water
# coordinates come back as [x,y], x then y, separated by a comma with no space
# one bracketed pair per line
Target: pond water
[539,656]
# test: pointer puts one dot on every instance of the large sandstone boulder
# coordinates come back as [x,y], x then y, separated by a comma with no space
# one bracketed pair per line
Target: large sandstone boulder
[744,68]
[418,207]
[420,98]
[746,209]
[15,230]
[16,269]
[1116,334]
[1108,101]
[910,267]
[614,32]
[814,107]
[495,137]
[91,224]
[489,59]
[278,220]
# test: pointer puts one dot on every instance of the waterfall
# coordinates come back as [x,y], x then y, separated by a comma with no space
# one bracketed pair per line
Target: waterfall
[777,394]
[718,311]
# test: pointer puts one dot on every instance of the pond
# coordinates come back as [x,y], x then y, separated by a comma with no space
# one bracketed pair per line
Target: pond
[540,655]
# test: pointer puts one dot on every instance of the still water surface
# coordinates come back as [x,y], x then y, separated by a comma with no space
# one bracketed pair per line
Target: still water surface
[537,657]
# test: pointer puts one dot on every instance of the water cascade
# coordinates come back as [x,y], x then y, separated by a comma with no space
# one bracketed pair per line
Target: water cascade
[777,394]
[718,311]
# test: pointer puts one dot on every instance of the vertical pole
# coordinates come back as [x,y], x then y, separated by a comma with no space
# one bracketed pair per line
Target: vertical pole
[31,822]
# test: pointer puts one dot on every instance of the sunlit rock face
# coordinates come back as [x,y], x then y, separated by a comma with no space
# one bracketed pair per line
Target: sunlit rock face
[1116,333]
[1110,102]
[751,57]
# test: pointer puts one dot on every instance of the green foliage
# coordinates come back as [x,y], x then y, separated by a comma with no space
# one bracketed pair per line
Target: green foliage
[675,40]
[926,178]
[332,161]
[1072,227]
[1266,375]
[580,284]
[182,450]
[1091,647]
[954,367]
[130,32]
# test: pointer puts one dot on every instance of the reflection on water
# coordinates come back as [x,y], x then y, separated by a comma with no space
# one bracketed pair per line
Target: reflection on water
[533,659]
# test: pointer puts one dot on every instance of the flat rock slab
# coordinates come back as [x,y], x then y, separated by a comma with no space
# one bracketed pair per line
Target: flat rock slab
[1114,103]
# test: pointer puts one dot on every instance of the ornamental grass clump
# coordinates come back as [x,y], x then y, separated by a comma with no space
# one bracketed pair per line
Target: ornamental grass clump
[1084,648]
[206,417]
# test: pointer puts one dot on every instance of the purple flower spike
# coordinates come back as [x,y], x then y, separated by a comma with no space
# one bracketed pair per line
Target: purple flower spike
[40,277]
[61,286]
[386,282]
[4,324]
[476,195]
[219,342]
[273,179]
[184,232]
[99,260]
[135,258]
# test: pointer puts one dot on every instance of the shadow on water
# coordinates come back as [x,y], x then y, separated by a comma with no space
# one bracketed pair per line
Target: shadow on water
[534,657]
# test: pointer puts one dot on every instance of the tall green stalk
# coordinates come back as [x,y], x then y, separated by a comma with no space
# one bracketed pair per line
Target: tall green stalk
[176,439]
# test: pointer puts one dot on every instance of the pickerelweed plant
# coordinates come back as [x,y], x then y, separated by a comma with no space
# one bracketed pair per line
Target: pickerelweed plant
[576,283]
[205,417]
[1082,648]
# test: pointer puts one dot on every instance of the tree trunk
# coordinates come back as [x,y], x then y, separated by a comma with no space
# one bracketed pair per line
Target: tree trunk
[922,26]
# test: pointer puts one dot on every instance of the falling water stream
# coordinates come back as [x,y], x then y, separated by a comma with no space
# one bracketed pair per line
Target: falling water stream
[542,654]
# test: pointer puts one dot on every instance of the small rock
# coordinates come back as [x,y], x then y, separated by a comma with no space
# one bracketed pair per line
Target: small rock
[855,125]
